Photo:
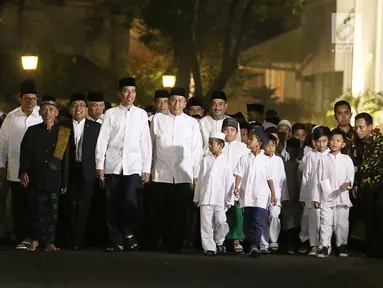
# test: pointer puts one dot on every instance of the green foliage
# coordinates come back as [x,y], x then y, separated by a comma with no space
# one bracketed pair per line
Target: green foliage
[367,101]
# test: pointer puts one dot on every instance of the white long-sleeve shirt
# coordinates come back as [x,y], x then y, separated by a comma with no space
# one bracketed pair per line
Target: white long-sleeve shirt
[11,134]
[177,146]
[208,125]
[215,184]
[333,171]
[308,167]
[234,151]
[255,171]
[124,142]
[279,178]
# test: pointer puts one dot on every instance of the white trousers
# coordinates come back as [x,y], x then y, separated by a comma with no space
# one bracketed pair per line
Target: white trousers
[310,224]
[271,228]
[334,219]
[214,227]
[304,233]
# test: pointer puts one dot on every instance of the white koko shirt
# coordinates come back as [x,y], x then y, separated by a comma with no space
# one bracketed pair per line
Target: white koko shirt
[11,134]
[124,142]
[209,125]
[215,185]
[308,167]
[332,172]
[255,171]
[279,178]
[177,146]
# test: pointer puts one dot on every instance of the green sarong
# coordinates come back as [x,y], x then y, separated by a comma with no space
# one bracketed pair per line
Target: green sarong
[235,220]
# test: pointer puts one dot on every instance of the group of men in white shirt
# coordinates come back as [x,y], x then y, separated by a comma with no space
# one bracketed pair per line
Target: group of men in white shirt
[130,153]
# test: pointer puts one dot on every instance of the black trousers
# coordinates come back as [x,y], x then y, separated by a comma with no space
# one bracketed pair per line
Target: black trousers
[82,195]
[122,207]
[371,204]
[171,210]
[20,210]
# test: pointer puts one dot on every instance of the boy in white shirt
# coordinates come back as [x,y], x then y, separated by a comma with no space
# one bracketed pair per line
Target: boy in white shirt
[234,150]
[335,178]
[253,184]
[214,194]
[308,167]
[272,226]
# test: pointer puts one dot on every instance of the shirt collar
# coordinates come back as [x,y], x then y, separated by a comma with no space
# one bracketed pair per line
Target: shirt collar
[126,109]
[35,112]
[75,122]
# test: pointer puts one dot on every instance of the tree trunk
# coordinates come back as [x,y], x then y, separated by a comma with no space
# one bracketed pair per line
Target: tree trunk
[184,65]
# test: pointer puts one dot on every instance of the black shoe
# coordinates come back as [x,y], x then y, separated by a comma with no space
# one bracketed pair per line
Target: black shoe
[304,247]
[117,248]
[342,250]
[254,253]
[221,248]
[323,253]
[210,253]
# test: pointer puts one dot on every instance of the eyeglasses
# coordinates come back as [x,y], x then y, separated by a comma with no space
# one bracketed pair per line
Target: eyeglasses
[79,106]
[32,99]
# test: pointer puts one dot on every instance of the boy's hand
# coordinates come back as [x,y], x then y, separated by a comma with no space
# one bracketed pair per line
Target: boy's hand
[236,192]
[274,200]
[344,187]
[316,205]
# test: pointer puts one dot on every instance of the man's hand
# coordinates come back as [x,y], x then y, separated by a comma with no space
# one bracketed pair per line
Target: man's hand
[145,177]
[355,191]
[63,190]
[24,179]
[344,187]
[3,172]
[195,180]
[316,204]
[100,174]
[196,203]
[236,192]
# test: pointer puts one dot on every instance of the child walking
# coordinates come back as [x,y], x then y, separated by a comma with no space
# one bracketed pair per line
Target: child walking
[292,208]
[214,194]
[310,225]
[254,184]
[234,150]
[272,226]
[331,195]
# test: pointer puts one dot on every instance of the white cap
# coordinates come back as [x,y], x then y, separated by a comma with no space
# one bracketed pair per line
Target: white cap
[285,122]
[312,131]
[217,135]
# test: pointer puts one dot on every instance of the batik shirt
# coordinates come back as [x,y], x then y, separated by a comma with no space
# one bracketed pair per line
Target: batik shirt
[350,148]
[370,169]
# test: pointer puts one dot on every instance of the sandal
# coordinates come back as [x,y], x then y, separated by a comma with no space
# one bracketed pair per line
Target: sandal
[238,249]
[33,246]
[51,248]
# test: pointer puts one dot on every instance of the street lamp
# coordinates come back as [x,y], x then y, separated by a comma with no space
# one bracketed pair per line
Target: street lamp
[168,81]
[29,62]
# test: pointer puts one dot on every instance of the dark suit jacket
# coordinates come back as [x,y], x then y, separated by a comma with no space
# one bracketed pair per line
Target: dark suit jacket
[36,151]
[88,166]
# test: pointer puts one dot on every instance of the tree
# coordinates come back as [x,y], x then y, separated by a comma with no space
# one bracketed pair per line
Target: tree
[367,101]
[213,33]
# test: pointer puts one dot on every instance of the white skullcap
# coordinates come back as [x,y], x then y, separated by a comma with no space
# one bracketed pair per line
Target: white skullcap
[285,122]
[217,135]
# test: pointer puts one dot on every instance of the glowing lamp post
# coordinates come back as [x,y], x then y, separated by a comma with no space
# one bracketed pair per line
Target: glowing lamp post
[29,62]
[168,81]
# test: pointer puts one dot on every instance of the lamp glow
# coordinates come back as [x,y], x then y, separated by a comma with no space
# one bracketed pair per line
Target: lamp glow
[29,62]
[168,81]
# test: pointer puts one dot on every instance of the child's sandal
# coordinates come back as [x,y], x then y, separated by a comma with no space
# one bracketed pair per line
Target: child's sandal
[238,249]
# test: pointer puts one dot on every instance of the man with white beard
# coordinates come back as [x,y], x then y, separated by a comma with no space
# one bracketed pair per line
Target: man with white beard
[213,123]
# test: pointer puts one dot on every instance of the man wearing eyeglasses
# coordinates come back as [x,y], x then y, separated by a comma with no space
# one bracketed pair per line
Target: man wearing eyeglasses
[82,178]
[11,133]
